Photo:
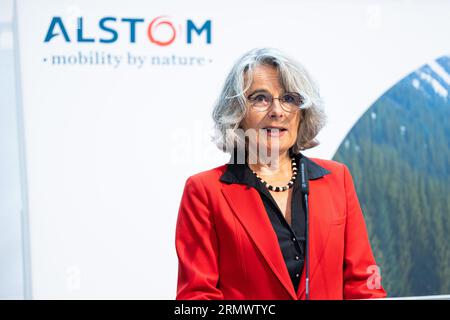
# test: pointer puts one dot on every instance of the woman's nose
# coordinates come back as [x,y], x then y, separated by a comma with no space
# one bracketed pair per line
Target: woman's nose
[275,110]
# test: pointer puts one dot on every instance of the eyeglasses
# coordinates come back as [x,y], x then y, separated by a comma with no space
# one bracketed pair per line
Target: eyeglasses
[290,101]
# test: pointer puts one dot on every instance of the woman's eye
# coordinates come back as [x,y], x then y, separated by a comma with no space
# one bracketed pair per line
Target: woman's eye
[261,98]
[289,99]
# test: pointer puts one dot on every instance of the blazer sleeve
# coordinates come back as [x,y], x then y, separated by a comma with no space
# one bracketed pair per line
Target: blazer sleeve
[362,279]
[196,245]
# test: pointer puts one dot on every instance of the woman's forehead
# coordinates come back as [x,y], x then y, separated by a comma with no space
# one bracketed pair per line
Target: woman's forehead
[265,77]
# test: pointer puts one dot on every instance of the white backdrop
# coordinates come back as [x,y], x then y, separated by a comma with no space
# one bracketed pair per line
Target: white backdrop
[108,147]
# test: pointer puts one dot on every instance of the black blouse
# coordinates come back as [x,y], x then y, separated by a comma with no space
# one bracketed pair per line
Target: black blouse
[291,238]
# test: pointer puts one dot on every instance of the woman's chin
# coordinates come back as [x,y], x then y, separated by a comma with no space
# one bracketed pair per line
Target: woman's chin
[274,148]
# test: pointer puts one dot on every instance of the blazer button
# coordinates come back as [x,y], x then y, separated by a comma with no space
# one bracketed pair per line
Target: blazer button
[297,258]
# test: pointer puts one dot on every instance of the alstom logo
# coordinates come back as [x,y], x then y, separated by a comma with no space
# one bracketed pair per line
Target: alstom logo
[160,31]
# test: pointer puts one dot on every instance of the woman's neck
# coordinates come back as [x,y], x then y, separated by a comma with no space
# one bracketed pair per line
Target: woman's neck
[279,164]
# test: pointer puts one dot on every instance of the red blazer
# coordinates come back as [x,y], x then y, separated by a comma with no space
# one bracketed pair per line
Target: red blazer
[227,248]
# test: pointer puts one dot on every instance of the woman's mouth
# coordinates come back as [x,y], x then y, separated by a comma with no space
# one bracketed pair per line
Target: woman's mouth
[275,132]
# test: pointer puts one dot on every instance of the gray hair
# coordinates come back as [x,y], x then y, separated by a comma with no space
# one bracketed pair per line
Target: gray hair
[231,107]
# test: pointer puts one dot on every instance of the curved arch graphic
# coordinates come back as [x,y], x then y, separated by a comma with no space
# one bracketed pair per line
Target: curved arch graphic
[399,155]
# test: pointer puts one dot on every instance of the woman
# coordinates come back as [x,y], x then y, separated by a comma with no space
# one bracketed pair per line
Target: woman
[241,229]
